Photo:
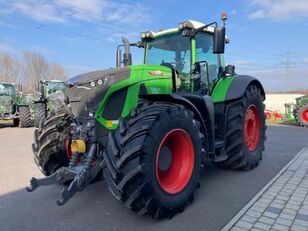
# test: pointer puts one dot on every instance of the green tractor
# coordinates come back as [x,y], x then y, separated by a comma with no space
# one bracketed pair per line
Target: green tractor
[150,128]
[13,106]
[46,89]
[300,111]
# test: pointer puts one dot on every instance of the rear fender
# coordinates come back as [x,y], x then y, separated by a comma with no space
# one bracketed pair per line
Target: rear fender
[239,85]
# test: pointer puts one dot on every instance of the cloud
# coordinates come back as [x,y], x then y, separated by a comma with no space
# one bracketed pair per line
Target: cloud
[39,11]
[279,10]
[63,11]
[305,60]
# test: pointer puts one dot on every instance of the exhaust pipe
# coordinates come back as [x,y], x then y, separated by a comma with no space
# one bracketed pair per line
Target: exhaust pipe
[127,56]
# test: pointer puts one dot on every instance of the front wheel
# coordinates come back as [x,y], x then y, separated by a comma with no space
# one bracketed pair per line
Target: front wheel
[245,131]
[153,159]
[40,112]
[24,116]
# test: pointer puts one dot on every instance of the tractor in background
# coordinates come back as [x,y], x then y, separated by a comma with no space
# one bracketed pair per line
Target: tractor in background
[150,128]
[300,111]
[14,106]
[46,89]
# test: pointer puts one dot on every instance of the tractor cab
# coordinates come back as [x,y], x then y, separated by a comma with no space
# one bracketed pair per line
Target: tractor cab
[52,86]
[193,50]
[7,97]
[7,89]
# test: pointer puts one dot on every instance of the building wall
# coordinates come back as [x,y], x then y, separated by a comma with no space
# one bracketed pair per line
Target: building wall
[275,102]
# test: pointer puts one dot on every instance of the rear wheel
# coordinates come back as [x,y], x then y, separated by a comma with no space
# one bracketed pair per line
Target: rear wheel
[245,131]
[153,159]
[24,116]
[50,142]
[303,115]
[40,112]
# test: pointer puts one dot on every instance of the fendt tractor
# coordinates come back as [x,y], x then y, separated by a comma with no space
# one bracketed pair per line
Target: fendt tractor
[13,106]
[45,89]
[150,128]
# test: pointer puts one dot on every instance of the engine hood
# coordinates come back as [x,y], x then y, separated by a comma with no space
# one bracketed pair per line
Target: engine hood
[118,73]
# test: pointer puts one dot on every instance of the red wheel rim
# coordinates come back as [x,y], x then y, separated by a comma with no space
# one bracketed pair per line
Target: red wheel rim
[68,149]
[305,115]
[176,176]
[252,128]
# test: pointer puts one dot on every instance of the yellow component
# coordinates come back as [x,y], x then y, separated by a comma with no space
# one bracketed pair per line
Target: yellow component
[78,146]
[109,123]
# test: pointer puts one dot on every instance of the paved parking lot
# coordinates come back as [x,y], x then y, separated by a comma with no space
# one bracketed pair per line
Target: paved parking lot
[222,194]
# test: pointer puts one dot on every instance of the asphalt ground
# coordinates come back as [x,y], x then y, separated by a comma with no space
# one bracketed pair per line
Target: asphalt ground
[222,194]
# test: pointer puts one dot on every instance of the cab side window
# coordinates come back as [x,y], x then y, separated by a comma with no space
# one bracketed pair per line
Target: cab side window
[204,51]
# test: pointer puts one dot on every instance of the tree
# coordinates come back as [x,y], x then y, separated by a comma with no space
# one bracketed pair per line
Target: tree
[9,68]
[35,67]
[57,72]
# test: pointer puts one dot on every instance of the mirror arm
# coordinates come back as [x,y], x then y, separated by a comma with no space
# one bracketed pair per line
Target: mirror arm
[196,31]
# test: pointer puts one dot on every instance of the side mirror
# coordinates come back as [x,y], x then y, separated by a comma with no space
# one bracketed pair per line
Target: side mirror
[219,40]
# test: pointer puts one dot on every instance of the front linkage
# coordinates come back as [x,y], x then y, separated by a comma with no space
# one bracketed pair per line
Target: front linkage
[82,170]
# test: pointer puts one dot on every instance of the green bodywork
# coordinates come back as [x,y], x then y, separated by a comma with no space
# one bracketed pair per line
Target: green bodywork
[157,79]
[300,101]
[138,75]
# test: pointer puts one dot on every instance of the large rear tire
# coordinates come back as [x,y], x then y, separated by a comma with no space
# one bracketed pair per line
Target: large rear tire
[153,159]
[24,116]
[40,112]
[245,131]
[50,140]
[303,115]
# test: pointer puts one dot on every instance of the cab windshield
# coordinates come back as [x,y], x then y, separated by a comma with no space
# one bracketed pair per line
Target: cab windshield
[172,50]
[54,86]
[7,90]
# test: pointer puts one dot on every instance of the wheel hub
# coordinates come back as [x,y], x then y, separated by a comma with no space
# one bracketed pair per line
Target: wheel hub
[175,161]
[165,159]
[251,128]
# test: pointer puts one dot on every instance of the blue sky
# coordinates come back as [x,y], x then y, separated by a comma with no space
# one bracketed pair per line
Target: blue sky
[82,35]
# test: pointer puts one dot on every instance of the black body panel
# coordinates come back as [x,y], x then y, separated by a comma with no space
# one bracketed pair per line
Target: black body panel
[239,86]
[115,104]
[121,74]
[85,98]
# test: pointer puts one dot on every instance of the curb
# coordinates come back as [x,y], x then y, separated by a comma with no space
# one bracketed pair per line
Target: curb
[232,222]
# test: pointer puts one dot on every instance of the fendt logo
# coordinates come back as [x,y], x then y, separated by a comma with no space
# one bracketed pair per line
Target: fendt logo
[158,73]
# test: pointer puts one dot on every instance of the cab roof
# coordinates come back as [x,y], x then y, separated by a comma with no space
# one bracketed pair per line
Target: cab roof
[193,24]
